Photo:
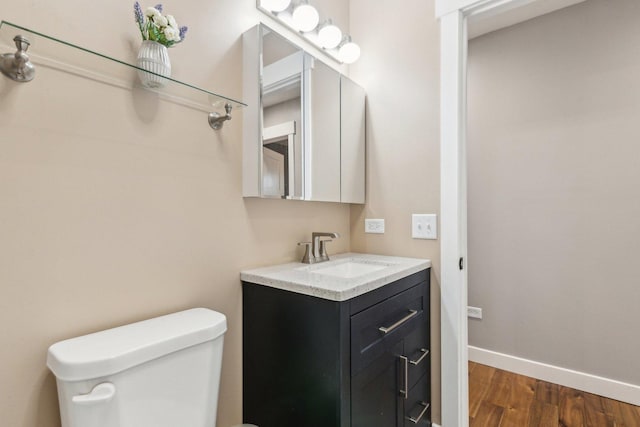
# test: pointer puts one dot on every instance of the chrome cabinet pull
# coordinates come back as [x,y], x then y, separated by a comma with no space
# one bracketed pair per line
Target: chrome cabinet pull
[405,392]
[424,410]
[387,329]
[424,354]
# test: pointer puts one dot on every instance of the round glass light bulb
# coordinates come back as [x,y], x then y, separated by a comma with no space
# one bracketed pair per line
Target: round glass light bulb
[349,53]
[275,5]
[305,18]
[330,36]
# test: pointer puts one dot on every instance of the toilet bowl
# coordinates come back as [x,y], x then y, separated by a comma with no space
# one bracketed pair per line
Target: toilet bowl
[161,372]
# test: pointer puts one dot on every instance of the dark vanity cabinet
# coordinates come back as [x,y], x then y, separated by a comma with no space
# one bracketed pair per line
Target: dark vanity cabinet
[314,362]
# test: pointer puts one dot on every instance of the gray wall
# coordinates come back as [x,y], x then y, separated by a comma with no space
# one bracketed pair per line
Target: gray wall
[554,201]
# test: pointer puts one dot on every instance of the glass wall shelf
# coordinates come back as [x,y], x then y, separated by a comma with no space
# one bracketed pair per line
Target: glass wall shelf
[58,54]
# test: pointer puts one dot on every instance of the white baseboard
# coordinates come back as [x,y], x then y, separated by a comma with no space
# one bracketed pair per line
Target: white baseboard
[566,377]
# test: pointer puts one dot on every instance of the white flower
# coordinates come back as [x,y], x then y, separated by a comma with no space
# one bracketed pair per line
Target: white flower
[160,21]
[152,12]
[172,34]
[172,21]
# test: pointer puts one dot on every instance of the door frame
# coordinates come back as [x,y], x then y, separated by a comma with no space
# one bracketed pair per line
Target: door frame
[280,132]
[453,16]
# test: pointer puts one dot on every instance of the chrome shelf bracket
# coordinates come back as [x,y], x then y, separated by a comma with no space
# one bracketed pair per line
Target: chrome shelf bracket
[216,120]
[17,66]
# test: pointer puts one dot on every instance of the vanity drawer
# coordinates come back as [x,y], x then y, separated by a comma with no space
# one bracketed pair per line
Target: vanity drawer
[417,406]
[378,328]
[417,352]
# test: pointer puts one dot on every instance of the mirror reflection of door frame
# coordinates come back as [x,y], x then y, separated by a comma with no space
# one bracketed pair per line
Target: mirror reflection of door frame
[273,173]
[284,131]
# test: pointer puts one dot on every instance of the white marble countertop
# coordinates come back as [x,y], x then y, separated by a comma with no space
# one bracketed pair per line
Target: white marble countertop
[324,281]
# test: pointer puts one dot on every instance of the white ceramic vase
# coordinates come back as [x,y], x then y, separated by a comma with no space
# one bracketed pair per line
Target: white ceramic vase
[153,57]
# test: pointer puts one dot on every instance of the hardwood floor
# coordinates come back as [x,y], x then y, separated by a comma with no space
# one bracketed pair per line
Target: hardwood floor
[503,399]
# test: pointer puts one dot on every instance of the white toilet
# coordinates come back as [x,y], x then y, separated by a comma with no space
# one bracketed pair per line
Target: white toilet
[161,372]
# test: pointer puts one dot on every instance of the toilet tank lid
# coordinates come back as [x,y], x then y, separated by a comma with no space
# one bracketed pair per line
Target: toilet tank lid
[114,350]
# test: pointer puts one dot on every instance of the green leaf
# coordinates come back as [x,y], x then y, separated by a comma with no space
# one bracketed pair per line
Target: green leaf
[154,34]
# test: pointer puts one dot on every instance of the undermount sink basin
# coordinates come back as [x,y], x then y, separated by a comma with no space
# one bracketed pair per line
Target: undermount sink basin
[349,269]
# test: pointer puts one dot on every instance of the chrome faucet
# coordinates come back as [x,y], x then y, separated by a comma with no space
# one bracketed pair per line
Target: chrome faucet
[319,248]
[316,250]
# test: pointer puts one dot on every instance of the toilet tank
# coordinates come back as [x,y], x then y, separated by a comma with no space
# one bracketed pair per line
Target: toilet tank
[161,372]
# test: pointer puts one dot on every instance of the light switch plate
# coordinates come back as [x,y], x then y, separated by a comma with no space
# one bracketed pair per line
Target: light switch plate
[374,226]
[424,226]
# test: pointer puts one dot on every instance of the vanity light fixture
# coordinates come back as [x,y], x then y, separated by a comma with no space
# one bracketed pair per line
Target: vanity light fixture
[275,5]
[329,35]
[348,52]
[305,17]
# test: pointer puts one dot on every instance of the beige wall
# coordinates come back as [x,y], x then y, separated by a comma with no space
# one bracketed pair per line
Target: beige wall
[399,69]
[116,207]
[553,189]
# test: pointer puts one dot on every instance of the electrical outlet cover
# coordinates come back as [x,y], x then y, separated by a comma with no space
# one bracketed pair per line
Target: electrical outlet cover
[474,312]
[375,226]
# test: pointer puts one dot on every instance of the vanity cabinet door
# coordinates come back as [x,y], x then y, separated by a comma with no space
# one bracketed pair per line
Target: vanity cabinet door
[322,132]
[387,366]
[375,400]
[378,391]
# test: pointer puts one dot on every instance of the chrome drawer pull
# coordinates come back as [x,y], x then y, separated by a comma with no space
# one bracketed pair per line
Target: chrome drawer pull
[386,330]
[424,354]
[417,420]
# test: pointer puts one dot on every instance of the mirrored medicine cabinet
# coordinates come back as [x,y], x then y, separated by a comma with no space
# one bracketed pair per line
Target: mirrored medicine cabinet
[304,129]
